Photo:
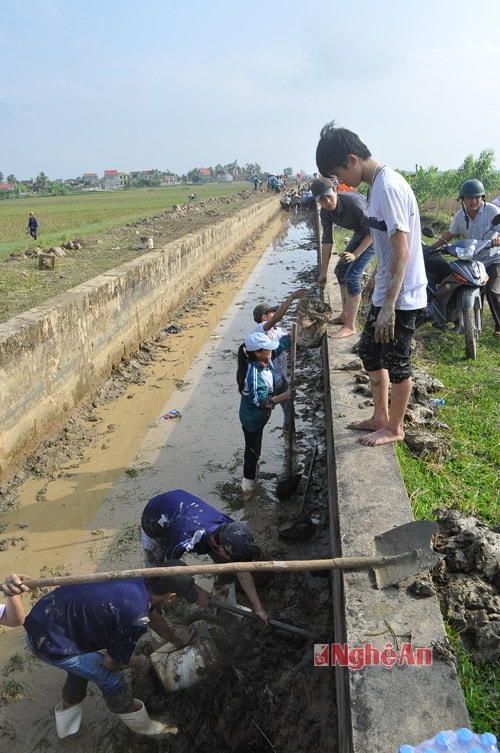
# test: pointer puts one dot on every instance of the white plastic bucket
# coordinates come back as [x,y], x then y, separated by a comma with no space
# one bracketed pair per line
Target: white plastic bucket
[180,668]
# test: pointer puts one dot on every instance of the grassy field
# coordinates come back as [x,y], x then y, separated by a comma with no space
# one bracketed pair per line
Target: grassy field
[110,225]
[79,215]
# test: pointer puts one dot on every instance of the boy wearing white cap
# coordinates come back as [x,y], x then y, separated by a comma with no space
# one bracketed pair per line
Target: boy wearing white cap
[267,318]
[256,379]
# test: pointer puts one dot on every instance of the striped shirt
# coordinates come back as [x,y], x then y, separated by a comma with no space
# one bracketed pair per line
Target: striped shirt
[351,213]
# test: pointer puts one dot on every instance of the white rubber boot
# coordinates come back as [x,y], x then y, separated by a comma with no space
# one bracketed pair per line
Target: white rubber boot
[68,720]
[248,488]
[139,721]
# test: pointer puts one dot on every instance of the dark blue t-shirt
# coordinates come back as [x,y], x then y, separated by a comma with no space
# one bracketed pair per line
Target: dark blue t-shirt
[90,617]
[182,521]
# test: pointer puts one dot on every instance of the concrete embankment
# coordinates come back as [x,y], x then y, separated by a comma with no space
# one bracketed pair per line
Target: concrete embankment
[55,355]
[383,700]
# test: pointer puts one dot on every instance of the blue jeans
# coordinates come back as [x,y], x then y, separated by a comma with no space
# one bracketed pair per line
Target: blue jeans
[349,273]
[82,668]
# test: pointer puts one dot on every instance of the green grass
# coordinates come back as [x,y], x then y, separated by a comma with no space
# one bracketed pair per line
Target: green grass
[467,480]
[79,215]
[99,218]
[480,687]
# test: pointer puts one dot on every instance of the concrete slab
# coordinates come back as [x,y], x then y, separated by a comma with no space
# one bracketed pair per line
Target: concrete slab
[384,697]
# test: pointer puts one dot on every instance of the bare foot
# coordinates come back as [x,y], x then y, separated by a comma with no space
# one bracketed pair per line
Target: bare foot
[381,436]
[369,424]
[343,332]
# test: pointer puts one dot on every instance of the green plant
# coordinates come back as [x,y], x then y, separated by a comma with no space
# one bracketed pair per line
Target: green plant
[11,690]
[480,686]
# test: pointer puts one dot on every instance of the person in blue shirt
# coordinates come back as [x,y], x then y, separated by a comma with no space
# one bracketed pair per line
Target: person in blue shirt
[90,630]
[32,227]
[257,385]
[176,521]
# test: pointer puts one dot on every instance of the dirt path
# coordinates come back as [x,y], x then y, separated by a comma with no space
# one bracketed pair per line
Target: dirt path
[78,510]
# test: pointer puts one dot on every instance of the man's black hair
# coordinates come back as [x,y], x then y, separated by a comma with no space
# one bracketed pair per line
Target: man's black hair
[334,146]
[182,585]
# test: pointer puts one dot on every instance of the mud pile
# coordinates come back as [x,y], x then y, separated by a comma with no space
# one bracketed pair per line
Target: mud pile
[468,582]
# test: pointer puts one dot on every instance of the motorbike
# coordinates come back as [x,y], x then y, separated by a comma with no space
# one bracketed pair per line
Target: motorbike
[455,289]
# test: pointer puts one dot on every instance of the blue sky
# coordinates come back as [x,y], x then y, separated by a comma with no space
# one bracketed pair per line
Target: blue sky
[88,85]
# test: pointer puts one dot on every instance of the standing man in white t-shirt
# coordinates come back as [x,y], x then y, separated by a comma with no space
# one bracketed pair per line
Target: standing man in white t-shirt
[398,282]
[267,318]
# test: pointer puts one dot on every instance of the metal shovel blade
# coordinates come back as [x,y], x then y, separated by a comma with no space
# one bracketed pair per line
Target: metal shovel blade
[412,541]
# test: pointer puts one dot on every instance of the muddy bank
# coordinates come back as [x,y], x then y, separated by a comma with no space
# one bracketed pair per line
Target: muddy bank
[76,506]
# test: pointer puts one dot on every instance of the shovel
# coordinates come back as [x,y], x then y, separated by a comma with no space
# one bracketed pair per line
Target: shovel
[246,612]
[400,553]
[286,487]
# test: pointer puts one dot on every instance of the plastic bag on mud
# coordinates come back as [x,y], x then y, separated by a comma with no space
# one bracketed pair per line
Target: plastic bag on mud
[312,317]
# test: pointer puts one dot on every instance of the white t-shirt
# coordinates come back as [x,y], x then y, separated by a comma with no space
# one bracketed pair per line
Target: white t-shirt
[280,363]
[462,224]
[393,207]
[475,230]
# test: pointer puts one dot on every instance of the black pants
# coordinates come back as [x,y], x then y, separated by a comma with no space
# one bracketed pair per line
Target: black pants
[253,447]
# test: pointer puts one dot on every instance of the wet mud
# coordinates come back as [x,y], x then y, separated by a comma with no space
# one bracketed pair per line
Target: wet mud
[76,505]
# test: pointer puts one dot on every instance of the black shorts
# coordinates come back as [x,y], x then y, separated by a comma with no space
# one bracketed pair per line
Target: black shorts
[395,356]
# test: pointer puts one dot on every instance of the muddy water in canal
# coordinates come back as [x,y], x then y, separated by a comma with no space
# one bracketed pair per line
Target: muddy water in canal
[81,514]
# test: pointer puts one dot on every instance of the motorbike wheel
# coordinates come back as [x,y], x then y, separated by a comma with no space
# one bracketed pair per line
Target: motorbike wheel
[471,333]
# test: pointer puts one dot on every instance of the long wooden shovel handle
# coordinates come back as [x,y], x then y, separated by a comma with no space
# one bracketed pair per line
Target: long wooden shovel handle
[340,563]
[291,404]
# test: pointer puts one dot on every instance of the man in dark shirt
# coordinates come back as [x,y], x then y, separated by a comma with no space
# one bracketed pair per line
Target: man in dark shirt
[348,211]
[90,630]
[32,228]
[176,522]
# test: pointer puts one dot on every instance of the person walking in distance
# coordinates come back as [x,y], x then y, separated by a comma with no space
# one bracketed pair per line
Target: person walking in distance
[32,227]
[398,281]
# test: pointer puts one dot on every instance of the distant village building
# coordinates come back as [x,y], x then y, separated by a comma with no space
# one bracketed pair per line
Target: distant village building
[90,179]
[6,186]
[204,174]
[171,180]
[113,180]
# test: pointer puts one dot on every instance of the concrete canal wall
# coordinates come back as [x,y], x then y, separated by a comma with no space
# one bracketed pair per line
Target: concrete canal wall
[56,354]
[380,706]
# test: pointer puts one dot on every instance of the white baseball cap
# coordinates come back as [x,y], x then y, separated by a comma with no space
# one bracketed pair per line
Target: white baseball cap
[259,341]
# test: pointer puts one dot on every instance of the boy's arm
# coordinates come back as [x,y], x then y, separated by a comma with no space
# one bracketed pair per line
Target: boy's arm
[384,326]
[280,312]
[248,585]
[13,588]
[445,238]
[360,249]
[326,252]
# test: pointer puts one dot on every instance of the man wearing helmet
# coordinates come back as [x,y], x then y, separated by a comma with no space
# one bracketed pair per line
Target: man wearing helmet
[472,221]
[176,522]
